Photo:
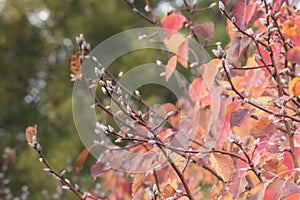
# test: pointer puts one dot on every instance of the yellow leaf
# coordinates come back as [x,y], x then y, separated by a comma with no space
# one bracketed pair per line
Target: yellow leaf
[174,42]
[137,182]
[223,165]
[294,87]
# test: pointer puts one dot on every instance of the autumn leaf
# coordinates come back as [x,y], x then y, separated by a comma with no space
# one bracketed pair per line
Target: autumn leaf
[31,134]
[293,55]
[80,160]
[197,89]
[168,191]
[293,197]
[211,70]
[236,48]
[97,169]
[294,87]
[170,68]
[174,42]
[206,30]
[75,62]
[280,189]
[137,182]
[173,22]
[223,165]
[165,108]
[238,117]
[183,53]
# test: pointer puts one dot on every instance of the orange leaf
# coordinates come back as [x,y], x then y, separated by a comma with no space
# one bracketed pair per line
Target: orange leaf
[294,87]
[223,165]
[80,160]
[31,134]
[170,68]
[173,22]
[168,191]
[293,55]
[137,182]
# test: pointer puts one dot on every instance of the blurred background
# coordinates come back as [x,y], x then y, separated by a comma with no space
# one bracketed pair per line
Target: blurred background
[36,41]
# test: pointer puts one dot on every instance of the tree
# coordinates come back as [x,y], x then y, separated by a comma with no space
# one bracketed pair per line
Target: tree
[232,132]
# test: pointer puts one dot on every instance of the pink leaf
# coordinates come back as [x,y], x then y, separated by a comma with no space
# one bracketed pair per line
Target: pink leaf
[183,53]
[170,68]
[197,89]
[173,22]
[293,55]
[206,30]
[287,160]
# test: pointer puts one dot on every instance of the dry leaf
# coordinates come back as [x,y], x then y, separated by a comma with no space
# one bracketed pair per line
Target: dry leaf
[75,62]
[223,165]
[97,169]
[168,191]
[137,182]
[80,160]
[31,134]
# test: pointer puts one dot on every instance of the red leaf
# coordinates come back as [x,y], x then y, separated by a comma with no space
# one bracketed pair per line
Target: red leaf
[97,169]
[245,12]
[238,11]
[206,30]
[183,53]
[80,160]
[293,55]
[170,68]
[173,22]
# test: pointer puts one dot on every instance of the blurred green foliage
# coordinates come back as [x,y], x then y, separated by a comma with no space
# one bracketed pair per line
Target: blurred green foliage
[36,40]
